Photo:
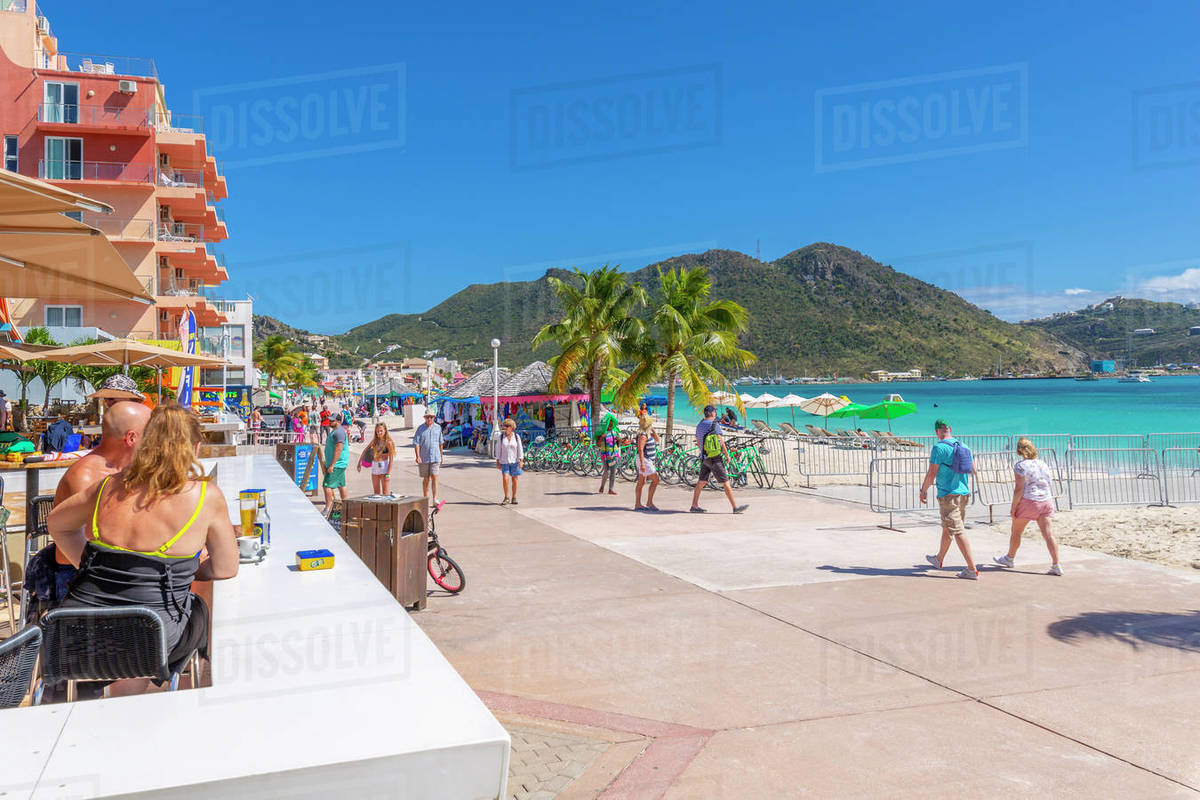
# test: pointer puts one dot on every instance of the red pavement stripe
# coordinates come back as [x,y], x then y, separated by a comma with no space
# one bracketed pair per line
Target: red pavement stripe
[650,775]
[653,772]
[507,703]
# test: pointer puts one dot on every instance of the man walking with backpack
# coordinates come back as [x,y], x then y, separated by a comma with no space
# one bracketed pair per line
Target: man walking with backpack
[712,460]
[950,467]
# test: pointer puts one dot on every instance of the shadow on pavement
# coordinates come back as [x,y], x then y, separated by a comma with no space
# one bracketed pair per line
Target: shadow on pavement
[905,572]
[1179,631]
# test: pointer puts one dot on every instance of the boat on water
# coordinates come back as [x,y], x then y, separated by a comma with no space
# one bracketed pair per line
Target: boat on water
[1134,377]
[1091,376]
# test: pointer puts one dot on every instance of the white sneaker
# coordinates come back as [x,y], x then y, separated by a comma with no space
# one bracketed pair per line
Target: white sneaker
[934,560]
[1055,569]
[1004,561]
[969,574]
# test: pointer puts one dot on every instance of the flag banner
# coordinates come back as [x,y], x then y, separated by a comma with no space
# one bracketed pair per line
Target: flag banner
[187,337]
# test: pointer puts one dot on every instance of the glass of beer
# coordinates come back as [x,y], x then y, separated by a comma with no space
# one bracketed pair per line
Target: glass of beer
[249,506]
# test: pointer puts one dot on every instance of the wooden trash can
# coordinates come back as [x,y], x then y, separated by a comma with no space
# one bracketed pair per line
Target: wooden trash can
[388,535]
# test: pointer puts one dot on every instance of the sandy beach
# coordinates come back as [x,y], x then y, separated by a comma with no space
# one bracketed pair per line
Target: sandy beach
[1159,534]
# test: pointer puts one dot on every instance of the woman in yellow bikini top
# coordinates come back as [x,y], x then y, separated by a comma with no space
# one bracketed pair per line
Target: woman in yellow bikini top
[143,497]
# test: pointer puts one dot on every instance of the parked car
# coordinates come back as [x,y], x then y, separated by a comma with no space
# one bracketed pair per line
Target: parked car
[273,416]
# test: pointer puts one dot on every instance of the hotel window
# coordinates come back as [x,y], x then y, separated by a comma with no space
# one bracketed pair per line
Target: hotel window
[62,102]
[237,342]
[64,316]
[64,159]
[10,153]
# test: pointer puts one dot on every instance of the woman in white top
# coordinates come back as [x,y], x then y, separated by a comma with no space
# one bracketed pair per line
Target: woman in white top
[379,455]
[1032,500]
[646,453]
[510,454]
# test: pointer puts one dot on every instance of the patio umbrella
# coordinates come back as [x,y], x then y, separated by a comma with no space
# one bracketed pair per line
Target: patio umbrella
[888,410]
[22,195]
[10,353]
[50,256]
[792,401]
[128,353]
[823,405]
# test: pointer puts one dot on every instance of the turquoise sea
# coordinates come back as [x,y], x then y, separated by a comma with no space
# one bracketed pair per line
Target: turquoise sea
[1165,405]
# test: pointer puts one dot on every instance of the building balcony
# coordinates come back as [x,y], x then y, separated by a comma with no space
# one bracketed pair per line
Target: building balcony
[174,305]
[167,123]
[72,118]
[122,229]
[101,171]
[190,232]
[116,66]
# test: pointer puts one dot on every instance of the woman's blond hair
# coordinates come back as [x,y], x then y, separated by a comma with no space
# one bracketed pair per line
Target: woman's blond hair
[508,423]
[1025,448]
[165,460]
[645,423]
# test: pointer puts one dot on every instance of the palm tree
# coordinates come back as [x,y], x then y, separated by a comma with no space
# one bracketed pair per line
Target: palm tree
[690,340]
[51,373]
[25,376]
[276,358]
[595,330]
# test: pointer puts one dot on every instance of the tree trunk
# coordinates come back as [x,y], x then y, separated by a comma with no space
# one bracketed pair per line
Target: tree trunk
[670,405]
[595,386]
[46,405]
[24,407]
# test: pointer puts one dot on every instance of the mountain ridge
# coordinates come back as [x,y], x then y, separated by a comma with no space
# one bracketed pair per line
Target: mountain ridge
[820,309]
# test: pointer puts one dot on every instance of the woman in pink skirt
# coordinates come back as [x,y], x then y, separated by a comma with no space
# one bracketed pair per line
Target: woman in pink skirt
[1032,501]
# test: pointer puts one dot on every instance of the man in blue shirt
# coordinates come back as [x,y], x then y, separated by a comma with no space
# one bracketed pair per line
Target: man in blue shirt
[712,465]
[953,494]
[428,443]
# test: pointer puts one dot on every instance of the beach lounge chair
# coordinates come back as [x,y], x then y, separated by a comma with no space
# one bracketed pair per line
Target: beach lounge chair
[889,438]
[789,429]
[817,434]
[762,427]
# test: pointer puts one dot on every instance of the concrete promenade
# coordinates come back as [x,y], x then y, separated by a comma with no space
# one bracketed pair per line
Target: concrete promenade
[798,650]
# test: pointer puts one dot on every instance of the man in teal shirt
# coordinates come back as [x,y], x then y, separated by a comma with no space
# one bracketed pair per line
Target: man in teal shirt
[337,458]
[953,494]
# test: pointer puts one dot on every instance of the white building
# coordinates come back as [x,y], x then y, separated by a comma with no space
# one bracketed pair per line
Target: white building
[234,340]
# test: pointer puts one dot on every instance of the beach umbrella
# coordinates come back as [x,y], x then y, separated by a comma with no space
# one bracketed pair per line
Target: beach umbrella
[721,398]
[853,410]
[823,405]
[792,401]
[765,401]
[128,353]
[888,410]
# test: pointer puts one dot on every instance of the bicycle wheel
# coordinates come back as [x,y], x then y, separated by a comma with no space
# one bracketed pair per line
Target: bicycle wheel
[627,468]
[689,470]
[445,572]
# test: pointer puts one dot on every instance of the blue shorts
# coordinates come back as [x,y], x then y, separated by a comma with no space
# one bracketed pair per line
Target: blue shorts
[511,469]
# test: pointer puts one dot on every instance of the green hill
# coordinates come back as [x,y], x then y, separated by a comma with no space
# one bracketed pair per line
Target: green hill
[818,310]
[1105,333]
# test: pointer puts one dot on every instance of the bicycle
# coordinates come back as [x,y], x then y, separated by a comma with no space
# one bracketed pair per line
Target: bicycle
[444,570]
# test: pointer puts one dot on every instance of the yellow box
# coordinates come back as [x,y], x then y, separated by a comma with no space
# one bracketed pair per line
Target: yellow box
[308,560]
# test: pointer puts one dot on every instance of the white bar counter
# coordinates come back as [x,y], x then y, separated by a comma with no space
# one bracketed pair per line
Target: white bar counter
[323,686]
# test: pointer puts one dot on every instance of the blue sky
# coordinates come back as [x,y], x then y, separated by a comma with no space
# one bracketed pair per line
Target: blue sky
[1049,156]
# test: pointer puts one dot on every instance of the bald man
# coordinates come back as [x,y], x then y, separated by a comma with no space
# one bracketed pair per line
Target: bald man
[120,433]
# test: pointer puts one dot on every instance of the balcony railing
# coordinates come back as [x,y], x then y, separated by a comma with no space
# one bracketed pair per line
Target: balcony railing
[180,178]
[135,228]
[75,114]
[103,65]
[64,170]
[176,123]
[180,232]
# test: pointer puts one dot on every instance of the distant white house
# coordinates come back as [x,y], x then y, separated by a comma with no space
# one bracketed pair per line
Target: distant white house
[883,376]
[1144,332]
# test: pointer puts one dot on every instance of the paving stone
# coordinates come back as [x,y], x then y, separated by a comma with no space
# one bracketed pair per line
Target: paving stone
[542,763]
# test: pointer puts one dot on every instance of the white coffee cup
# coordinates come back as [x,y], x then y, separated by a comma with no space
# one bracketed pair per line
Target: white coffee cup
[249,547]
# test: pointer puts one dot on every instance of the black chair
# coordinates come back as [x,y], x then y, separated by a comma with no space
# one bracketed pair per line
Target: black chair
[37,536]
[18,660]
[107,644]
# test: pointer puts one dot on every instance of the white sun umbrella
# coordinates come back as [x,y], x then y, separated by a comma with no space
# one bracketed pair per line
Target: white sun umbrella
[765,401]
[791,401]
[823,405]
[721,398]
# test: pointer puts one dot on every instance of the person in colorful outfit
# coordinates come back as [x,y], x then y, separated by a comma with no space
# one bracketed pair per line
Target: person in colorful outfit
[609,439]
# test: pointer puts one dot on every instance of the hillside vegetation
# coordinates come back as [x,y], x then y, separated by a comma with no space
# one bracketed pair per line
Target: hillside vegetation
[821,309]
[1108,334]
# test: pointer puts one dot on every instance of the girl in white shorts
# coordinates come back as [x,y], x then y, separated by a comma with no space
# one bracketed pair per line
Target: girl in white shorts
[379,455]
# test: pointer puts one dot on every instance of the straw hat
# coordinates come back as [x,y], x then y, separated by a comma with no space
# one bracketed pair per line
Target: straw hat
[118,387]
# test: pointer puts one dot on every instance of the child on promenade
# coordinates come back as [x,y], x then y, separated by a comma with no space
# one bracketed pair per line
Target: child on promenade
[610,451]
[1032,502]
[953,494]
[379,455]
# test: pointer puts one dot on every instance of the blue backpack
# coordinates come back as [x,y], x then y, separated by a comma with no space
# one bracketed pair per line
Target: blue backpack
[962,462]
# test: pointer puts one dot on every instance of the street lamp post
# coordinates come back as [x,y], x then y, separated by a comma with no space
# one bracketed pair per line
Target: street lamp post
[375,382]
[495,392]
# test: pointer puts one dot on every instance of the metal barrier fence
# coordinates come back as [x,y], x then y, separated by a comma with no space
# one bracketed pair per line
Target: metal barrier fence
[836,457]
[1172,441]
[894,486]
[995,479]
[1120,477]
[1181,475]
[771,465]
[266,436]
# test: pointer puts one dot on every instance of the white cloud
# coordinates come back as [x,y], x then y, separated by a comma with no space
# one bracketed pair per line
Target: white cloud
[1187,281]
[1076,291]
